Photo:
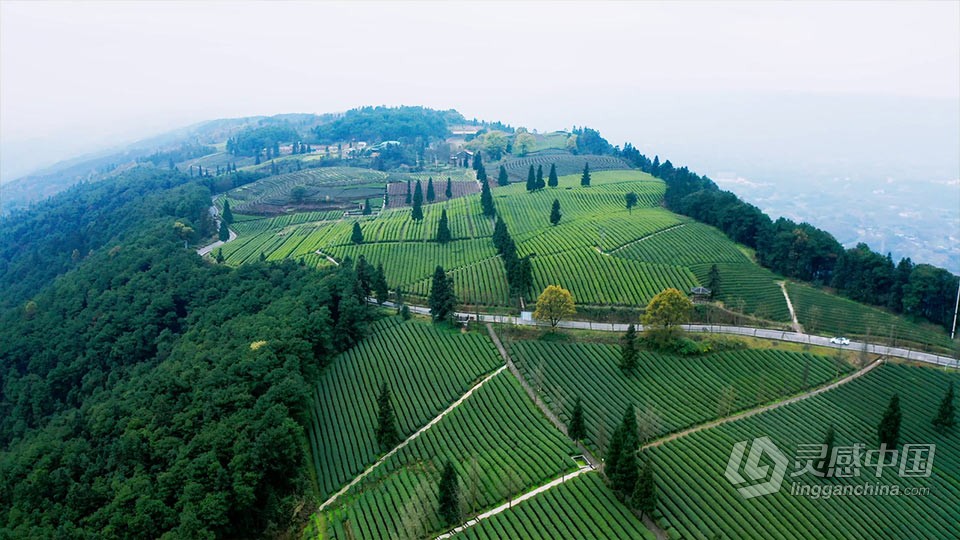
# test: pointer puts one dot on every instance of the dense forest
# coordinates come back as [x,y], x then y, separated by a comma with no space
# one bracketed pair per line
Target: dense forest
[376,124]
[805,252]
[147,393]
[184,152]
[60,233]
[251,141]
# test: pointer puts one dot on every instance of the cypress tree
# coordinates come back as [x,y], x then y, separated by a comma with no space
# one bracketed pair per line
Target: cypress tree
[713,281]
[408,199]
[540,184]
[889,429]
[366,207]
[442,300]
[224,231]
[655,168]
[500,235]
[398,298]
[555,212]
[477,161]
[524,275]
[365,277]
[417,213]
[227,213]
[357,236]
[629,353]
[443,229]
[431,196]
[502,178]
[449,496]
[614,452]
[482,174]
[823,467]
[577,428]
[386,197]
[624,478]
[531,179]
[552,181]
[219,257]
[645,493]
[387,435]
[486,199]
[380,289]
[946,415]
[585,179]
[449,190]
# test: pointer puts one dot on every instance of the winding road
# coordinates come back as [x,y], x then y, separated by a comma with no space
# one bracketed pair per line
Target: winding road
[210,247]
[762,333]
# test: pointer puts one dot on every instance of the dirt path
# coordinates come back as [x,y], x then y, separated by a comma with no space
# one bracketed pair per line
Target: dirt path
[638,240]
[409,439]
[793,314]
[329,258]
[764,408]
[508,505]
[592,462]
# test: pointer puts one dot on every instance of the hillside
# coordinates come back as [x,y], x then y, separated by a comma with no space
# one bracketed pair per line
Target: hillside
[268,390]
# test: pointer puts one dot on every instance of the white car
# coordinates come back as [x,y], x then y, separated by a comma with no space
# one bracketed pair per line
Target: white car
[840,340]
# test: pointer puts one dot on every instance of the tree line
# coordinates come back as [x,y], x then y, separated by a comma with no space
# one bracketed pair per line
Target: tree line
[804,252]
[147,392]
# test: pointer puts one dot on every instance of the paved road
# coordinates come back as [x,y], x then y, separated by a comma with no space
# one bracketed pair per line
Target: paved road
[763,333]
[210,247]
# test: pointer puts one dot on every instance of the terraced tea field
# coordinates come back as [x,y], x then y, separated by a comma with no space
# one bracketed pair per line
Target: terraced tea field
[579,508]
[823,313]
[426,369]
[593,278]
[748,288]
[567,164]
[696,500]
[327,186]
[410,262]
[497,440]
[459,188]
[672,392]
[686,245]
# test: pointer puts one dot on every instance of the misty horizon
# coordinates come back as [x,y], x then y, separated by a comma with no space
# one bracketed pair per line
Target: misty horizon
[782,103]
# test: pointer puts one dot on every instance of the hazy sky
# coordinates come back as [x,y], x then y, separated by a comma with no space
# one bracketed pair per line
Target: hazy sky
[115,70]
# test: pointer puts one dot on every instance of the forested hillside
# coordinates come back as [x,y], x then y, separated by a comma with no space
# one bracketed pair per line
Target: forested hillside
[804,252]
[147,393]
